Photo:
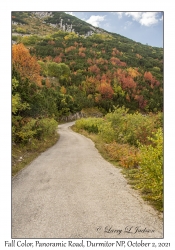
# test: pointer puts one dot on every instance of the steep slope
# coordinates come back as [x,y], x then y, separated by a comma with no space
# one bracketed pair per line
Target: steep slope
[90,66]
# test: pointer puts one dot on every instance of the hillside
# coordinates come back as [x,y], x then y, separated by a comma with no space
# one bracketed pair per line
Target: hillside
[43,23]
[103,69]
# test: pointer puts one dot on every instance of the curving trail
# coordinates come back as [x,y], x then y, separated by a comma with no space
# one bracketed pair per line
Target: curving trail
[70,191]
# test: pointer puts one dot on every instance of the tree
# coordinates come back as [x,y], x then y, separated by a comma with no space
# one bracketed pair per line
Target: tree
[65,73]
[25,64]
[90,85]
[17,107]
[94,69]
[54,70]
[58,70]
[17,104]
[106,90]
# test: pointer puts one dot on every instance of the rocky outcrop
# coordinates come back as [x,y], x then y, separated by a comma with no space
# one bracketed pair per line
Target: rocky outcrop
[42,14]
[72,117]
[78,115]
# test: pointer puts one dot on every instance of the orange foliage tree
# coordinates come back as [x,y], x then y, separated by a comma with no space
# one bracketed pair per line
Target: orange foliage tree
[70,49]
[125,80]
[25,64]
[105,90]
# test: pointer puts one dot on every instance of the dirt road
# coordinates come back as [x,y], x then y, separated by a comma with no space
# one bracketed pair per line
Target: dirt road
[70,191]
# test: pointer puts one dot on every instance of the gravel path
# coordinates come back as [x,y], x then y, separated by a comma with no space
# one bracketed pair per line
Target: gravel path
[70,191]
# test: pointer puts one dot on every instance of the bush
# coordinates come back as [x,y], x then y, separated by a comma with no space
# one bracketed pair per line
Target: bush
[21,30]
[133,128]
[30,40]
[26,132]
[138,129]
[106,131]
[89,124]
[45,127]
[15,38]
[34,128]
[151,167]
[124,154]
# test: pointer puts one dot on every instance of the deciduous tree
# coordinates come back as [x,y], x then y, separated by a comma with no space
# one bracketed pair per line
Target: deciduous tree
[25,64]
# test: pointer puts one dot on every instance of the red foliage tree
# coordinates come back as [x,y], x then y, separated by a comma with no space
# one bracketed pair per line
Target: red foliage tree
[89,61]
[115,61]
[81,54]
[57,59]
[94,69]
[151,80]
[101,61]
[142,103]
[127,82]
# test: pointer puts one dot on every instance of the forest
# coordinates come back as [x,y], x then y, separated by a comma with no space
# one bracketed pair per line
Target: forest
[56,73]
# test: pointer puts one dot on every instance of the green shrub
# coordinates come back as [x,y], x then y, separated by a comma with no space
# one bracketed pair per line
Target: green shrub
[15,38]
[89,124]
[33,128]
[45,127]
[30,40]
[21,30]
[151,168]
[133,128]
[138,129]
[106,131]
[27,131]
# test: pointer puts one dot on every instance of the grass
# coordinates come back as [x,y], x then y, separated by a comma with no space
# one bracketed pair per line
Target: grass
[22,155]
